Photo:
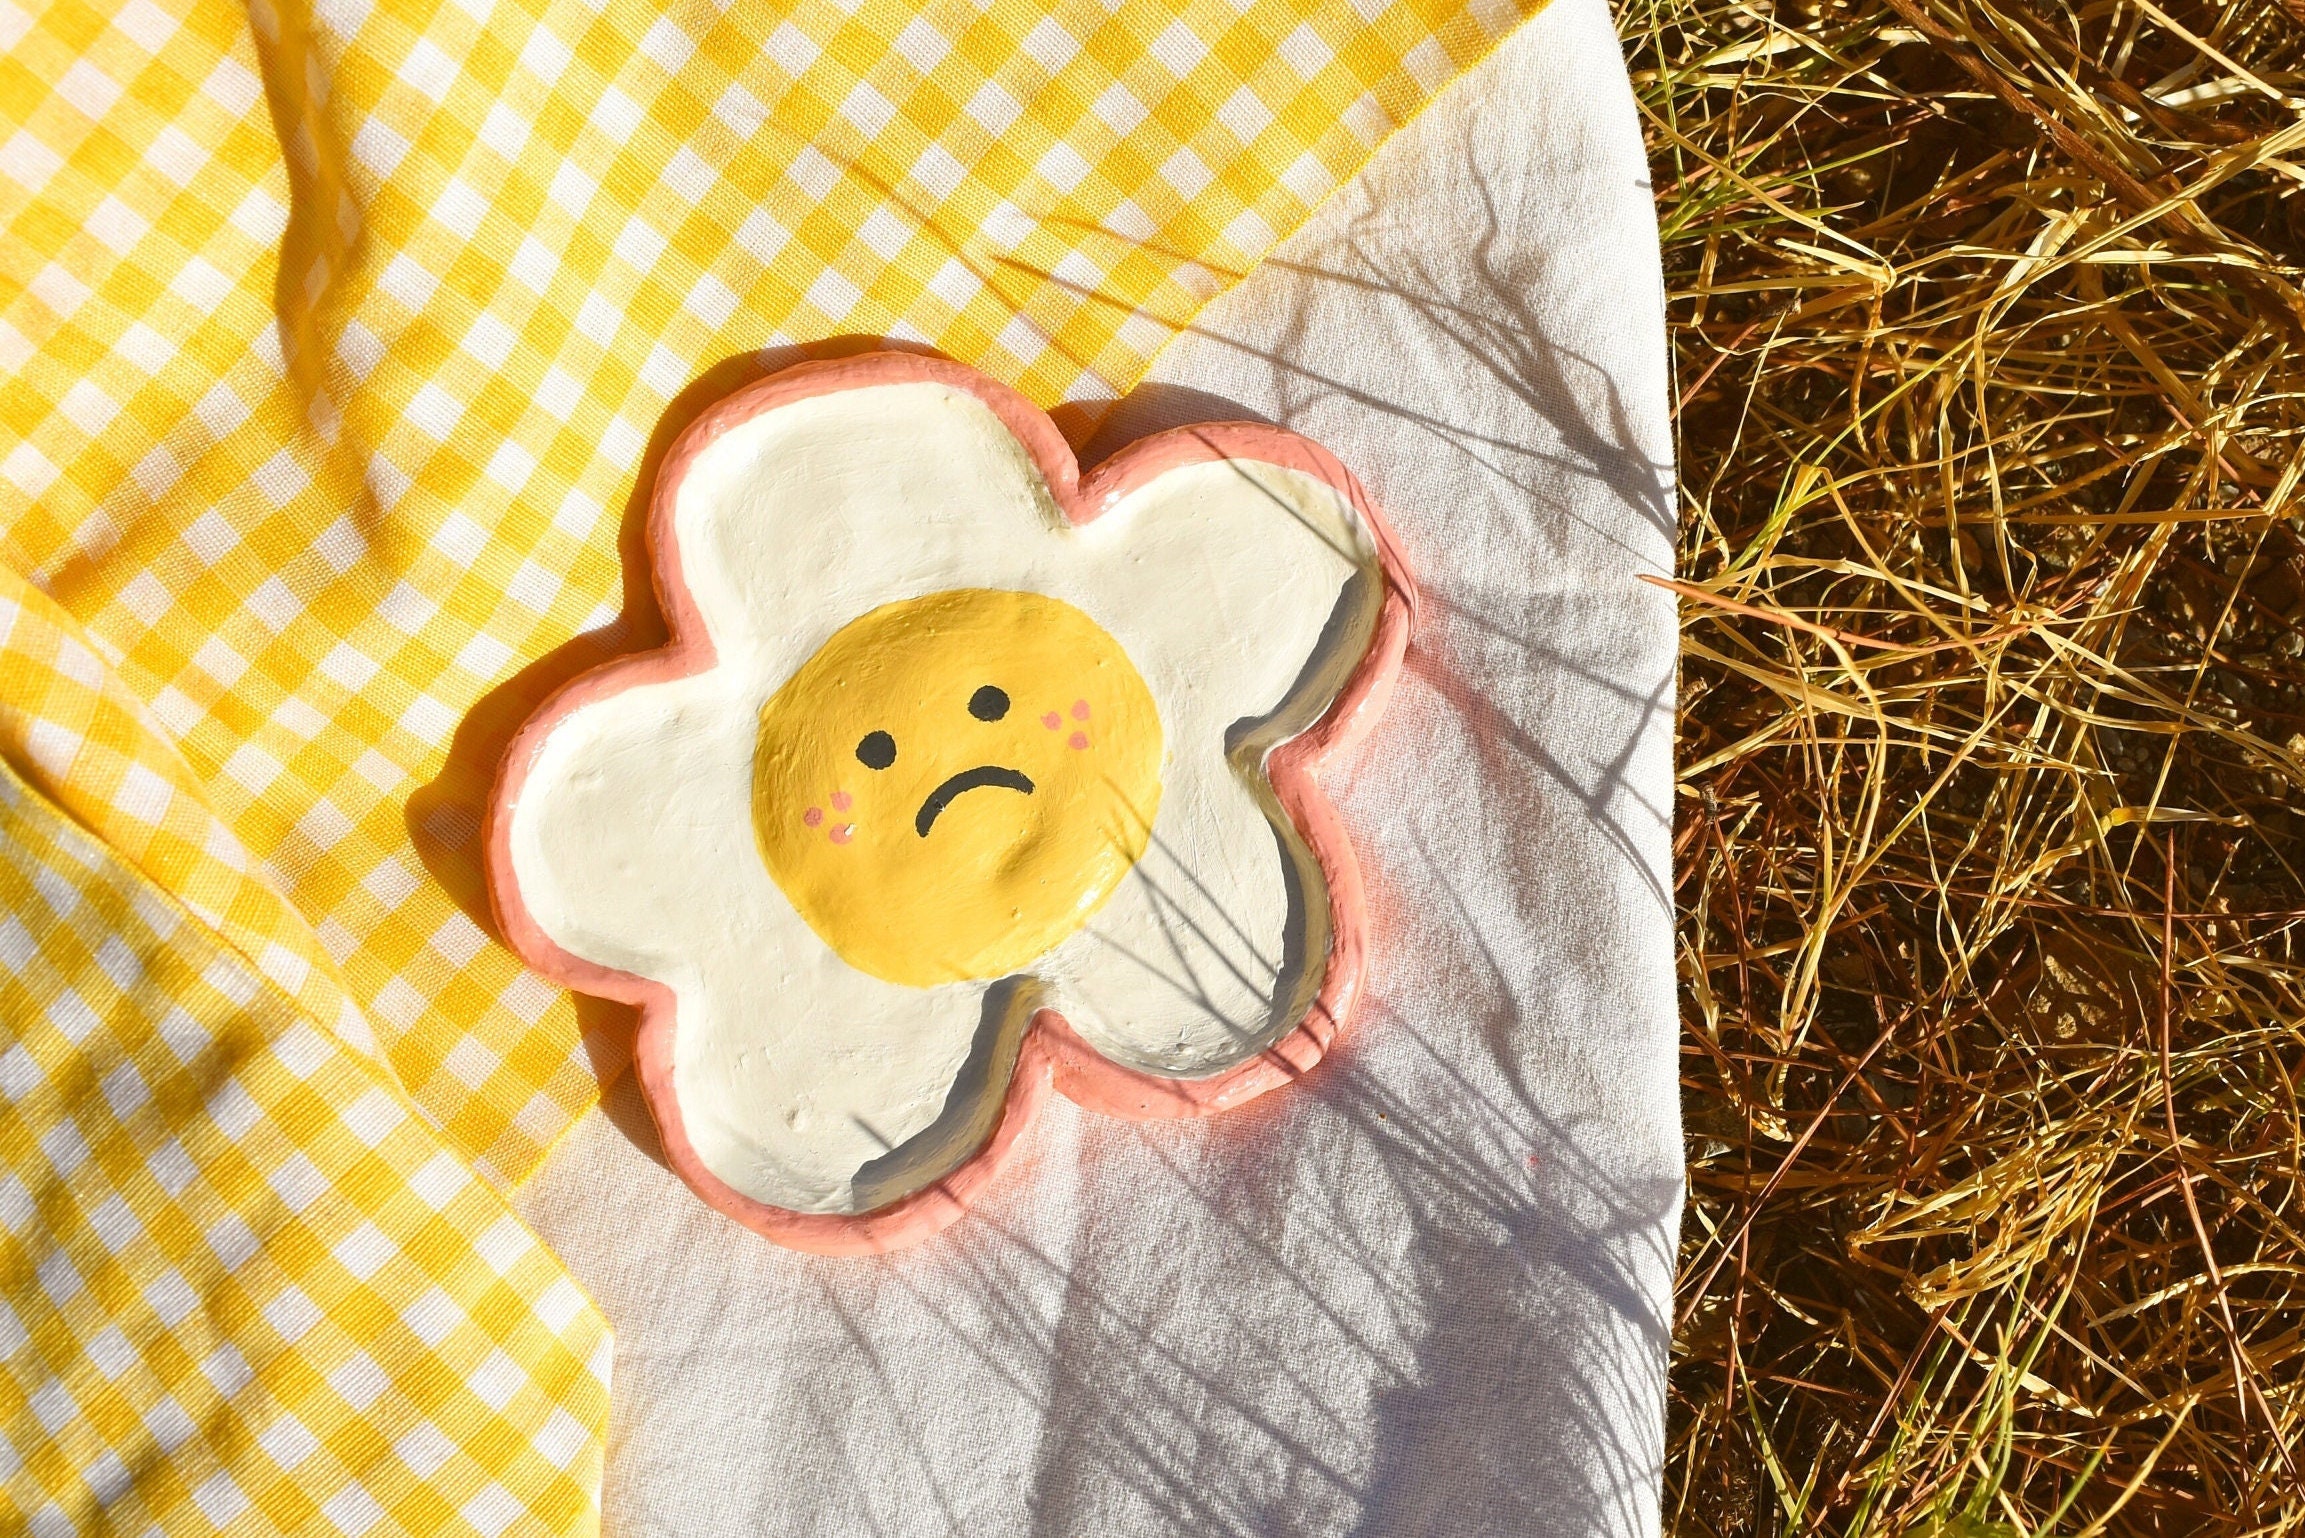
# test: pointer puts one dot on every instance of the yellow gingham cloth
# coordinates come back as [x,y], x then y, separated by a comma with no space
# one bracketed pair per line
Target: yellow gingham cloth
[335,341]
[244,1278]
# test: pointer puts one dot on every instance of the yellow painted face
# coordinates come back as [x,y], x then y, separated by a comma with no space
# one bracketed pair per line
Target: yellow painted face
[953,784]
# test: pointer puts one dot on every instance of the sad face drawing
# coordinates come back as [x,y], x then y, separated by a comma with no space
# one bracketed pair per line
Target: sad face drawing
[964,779]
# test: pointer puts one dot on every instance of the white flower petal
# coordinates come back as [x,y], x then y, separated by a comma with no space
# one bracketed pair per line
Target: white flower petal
[808,1085]
[1242,590]
[1247,593]
[635,819]
[808,515]
[801,1082]
[1213,946]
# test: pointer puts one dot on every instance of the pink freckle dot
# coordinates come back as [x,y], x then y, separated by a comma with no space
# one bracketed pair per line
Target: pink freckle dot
[1080,710]
[840,800]
[842,833]
[1078,740]
[812,816]
[1052,720]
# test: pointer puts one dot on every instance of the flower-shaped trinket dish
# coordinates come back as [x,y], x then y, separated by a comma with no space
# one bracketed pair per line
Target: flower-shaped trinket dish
[964,777]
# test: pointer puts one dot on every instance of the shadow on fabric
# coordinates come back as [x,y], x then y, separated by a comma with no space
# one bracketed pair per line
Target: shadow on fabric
[1406,1297]
[1517,1277]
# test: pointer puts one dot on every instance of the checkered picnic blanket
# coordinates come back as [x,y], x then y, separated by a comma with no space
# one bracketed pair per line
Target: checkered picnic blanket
[335,337]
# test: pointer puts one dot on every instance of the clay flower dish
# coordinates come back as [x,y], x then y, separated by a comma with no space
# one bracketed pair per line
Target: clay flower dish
[963,776]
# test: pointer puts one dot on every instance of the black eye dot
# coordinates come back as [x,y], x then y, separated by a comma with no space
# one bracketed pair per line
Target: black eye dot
[988,704]
[876,751]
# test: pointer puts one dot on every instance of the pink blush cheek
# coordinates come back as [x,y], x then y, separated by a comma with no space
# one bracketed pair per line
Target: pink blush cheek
[1078,740]
[1052,720]
[812,817]
[843,833]
[841,800]
[1080,710]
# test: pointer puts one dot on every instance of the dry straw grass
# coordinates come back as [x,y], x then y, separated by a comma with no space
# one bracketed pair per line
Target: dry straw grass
[1991,336]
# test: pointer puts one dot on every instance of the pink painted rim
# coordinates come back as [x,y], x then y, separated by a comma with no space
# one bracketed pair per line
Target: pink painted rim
[1052,1054]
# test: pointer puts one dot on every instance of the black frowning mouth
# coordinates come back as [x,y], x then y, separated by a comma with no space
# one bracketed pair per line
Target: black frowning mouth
[982,777]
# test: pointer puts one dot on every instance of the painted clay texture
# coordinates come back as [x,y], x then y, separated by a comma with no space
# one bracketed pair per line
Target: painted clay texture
[962,778]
